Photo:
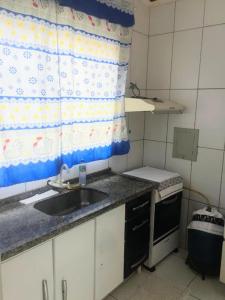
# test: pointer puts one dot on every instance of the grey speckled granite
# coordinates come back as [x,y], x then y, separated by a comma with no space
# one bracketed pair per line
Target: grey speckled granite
[22,226]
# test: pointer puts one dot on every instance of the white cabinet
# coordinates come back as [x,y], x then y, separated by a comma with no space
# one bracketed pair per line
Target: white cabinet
[74,263]
[29,276]
[85,263]
[222,269]
[109,251]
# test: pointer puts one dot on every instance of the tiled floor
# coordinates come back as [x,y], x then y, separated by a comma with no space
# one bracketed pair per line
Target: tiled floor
[173,280]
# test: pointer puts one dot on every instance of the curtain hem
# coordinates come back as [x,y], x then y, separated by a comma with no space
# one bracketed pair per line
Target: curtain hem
[43,170]
[101,10]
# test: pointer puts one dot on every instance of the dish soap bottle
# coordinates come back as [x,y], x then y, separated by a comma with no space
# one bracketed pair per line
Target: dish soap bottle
[82,174]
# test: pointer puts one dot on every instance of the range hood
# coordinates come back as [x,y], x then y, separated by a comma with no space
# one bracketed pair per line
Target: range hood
[154,105]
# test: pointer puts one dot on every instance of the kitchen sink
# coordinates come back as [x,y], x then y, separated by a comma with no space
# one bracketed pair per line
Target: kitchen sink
[67,203]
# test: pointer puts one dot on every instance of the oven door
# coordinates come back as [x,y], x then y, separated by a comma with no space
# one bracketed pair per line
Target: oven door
[167,216]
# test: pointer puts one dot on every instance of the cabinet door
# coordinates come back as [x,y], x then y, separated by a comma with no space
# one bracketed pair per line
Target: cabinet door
[29,275]
[74,263]
[222,268]
[109,251]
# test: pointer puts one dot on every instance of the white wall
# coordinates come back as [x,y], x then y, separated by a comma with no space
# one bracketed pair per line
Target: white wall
[137,73]
[186,62]
[135,121]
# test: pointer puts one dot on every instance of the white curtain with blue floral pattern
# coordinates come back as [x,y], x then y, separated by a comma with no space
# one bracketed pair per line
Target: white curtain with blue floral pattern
[62,85]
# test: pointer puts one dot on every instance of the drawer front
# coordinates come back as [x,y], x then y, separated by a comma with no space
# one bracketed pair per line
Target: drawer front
[136,243]
[138,206]
[132,256]
[137,233]
[132,264]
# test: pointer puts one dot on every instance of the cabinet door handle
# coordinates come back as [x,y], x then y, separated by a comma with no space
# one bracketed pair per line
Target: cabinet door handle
[138,262]
[140,206]
[45,289]
[140,225]
[64,290]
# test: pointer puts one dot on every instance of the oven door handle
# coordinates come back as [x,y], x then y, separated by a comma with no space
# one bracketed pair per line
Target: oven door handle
[140,225]
[140,206]
[168,202]
[139,262]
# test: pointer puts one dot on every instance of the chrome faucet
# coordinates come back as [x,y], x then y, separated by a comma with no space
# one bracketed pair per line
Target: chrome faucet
[59,182]
[64,167]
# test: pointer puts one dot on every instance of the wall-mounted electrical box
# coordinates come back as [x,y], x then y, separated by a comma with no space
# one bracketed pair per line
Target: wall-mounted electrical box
[185,143]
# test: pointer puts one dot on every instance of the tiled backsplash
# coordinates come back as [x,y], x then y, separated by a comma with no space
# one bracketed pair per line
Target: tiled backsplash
[190,69]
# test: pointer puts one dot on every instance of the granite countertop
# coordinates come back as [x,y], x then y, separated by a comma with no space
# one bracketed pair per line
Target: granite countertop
[23,226]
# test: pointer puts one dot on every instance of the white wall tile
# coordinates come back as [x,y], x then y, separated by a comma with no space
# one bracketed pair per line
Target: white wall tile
[136,126]
[159,61]
[156,127]
[206,175]
[154,154]
[210,118]
[222,196]
[183,224]
[212,72]
[138,63]
[130,94]
[73,172]
[135,156]
[6,192]
[118,163]
[141,14]
[189,14]
[96,166]
[32,185]
[156,124]
[181,166]
[186,58]
[161,94]
[162,19]
[222,211]
[186,120]
[214,12]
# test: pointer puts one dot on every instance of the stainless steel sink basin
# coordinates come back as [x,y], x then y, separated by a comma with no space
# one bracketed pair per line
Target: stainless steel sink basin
[67,203]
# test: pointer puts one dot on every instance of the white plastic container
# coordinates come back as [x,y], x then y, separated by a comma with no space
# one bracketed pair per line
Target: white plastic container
[82,174]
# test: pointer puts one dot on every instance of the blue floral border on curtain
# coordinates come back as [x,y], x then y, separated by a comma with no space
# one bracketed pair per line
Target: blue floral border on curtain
[114,11]
[9,175]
